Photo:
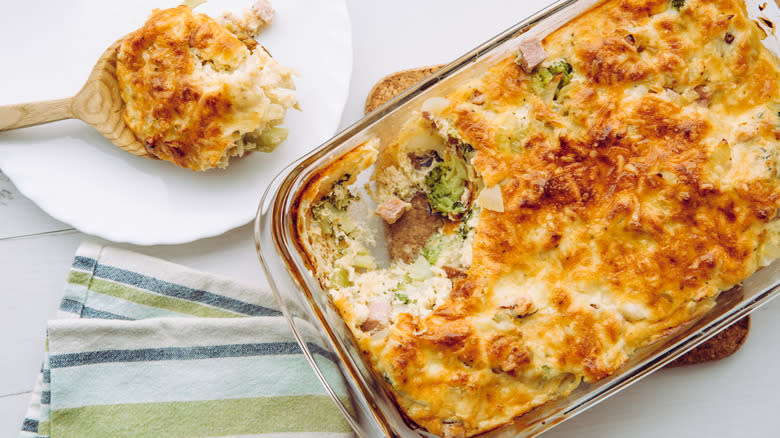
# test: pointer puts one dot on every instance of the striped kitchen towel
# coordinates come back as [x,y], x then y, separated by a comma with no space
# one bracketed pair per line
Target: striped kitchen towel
[147,348]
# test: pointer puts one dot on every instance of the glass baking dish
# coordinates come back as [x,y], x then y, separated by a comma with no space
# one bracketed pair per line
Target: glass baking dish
[322,334]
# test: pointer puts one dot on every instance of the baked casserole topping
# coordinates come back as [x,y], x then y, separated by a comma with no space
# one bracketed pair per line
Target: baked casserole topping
[198,92]
[545,221]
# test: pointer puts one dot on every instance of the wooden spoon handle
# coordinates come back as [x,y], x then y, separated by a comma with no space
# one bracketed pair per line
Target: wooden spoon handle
[35,113]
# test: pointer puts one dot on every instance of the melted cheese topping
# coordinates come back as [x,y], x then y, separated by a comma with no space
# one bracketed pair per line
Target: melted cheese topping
[196,95]
[632,195]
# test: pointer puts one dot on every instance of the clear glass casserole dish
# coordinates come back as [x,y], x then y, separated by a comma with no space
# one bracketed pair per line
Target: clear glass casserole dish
[316,322]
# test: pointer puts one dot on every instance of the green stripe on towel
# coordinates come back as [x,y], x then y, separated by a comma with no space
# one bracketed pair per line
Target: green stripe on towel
[44,428]
[201,418]
[79,277]
[153,300]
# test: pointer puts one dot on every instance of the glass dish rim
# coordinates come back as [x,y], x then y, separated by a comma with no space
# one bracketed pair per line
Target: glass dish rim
[278,195]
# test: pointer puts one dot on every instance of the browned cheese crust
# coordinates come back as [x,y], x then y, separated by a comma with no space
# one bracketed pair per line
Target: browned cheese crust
[175,118]
[196,95]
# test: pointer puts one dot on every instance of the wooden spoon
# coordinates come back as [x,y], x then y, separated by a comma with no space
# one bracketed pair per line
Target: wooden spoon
[98,103]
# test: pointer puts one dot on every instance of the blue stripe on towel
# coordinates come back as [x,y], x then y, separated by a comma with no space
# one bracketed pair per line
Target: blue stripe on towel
[84,263]
[30,425]
[89,312]
[71,306]
[182,353]
[182,292]
[77,308]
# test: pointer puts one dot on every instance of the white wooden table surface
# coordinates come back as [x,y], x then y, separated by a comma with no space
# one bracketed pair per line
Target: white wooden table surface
[735,397]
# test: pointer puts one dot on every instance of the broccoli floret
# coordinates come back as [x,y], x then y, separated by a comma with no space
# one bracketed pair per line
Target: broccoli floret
[402,297]
[464,228]
[540,79]
[463,231]
[446,182]
[561,66]
[544,75]
[329,211]
[438,242]
[338,199]
[322,212]
[678,4]
[431,252]
[340,196]
[433,248]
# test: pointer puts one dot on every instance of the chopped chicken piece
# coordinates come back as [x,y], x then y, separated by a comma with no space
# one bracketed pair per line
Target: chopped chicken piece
[250,23]
[531,55]
[378,316]
[392,209]
[705,94]
[263,10]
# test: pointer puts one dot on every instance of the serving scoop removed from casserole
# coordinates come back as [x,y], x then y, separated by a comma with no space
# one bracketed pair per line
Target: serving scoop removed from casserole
[198,91]
[579,200]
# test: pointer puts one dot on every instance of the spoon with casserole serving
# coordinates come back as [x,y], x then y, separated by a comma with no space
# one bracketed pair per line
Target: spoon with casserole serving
[184,88]
[98,103]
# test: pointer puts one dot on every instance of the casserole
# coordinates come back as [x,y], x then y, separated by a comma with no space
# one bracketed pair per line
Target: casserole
[382,130]
[197,92]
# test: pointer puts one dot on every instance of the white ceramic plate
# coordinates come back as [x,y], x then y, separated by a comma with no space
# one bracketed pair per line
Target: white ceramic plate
[71,172]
